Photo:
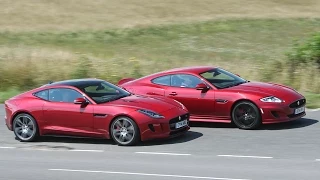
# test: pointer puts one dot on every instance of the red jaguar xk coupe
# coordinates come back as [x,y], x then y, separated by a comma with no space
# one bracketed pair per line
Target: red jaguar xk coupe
[213,94]
[93,108]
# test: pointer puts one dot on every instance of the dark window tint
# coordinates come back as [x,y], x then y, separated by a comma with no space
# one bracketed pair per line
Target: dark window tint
[42,94]
[163,80]
[63,95]
[221,78]
[185,81]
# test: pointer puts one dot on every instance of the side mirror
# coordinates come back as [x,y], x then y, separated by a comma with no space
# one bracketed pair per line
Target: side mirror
[81,101]
[202,87]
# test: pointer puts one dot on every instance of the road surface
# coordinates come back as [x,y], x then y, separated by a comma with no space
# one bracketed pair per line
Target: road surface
[286,151]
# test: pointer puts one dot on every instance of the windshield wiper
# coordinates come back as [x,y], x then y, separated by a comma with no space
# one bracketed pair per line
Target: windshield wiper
[235,84]
[117,97]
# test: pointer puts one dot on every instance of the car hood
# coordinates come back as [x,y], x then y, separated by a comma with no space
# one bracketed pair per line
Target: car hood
[143,102]
[268,89]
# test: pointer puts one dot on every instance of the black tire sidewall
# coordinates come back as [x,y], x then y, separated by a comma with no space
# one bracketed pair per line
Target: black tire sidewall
[136,137]
[257,121]
[35,126]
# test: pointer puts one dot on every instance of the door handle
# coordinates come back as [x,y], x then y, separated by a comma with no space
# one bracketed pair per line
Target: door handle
[152,93]
[173,94]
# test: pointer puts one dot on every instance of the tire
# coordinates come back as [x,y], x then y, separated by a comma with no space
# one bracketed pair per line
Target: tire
[124,131]
[246,115]
[25,127]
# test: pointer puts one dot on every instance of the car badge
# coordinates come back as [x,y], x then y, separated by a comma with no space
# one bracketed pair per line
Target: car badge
[179,117]
[298,103]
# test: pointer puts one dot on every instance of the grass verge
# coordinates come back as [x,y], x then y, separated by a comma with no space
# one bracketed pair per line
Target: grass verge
[255,49]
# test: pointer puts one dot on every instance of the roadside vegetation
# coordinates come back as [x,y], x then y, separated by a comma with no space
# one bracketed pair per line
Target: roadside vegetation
[258,43]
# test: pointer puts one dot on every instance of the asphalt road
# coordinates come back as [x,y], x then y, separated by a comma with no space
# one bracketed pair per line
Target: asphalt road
[285,151]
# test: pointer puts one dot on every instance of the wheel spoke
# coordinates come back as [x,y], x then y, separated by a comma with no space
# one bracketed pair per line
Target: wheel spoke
[118,124]
[23,135]
[125,123]
[121,138]
[18,130]
[18,122]
[30,124]
[116,132]
[128,137]
[24,120]
[29,133]
[130,129]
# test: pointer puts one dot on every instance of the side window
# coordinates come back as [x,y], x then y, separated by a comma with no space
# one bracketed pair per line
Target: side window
[185,80]
[163,80]
[63,95]
[42,94]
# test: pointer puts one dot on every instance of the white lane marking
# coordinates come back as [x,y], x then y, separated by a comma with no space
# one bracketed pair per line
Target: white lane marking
[317,159]
[144,174]
[240,156]
[162,153]
[7,147]
[85,150]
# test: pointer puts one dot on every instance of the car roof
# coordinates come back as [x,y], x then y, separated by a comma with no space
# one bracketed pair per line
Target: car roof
[191,69]
[75,82]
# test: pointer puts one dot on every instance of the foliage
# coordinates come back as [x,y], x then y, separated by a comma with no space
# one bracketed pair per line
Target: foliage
[309,52]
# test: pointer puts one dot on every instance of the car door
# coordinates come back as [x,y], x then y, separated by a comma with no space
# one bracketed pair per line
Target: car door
[183,89]
[64,117]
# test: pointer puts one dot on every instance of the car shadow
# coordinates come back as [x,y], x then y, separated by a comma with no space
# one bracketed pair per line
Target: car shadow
[186,137]
[75,140]
[299,123]
[212,125]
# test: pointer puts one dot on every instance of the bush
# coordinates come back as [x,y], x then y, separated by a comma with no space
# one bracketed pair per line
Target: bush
[303,57]
[306,53]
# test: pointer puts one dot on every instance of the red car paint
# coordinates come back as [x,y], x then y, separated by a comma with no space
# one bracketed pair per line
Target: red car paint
[93,120]
[216,104]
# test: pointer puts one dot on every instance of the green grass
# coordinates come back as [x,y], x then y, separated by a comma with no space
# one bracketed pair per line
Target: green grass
[255,49]
[4,95]
[313,100]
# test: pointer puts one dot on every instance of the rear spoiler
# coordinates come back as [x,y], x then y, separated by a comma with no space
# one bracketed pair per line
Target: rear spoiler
[125,80]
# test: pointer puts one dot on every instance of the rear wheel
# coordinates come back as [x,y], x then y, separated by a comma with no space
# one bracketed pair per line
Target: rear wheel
[124,131]
[25,127]
[245,115]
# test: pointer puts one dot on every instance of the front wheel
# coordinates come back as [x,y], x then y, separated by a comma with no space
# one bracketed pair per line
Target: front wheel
[245,115]
[124,131]
[25,127]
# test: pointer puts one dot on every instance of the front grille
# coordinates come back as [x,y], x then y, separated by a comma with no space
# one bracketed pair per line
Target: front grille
[177,119]
[298,103]
[295,115]
[179,131]
[173,121]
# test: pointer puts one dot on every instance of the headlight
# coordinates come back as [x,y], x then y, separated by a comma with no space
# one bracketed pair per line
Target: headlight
[271,99]
[150,113]
[182,106]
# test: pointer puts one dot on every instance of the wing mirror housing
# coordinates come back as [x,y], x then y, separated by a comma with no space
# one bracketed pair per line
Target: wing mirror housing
[81,101]
[202,87]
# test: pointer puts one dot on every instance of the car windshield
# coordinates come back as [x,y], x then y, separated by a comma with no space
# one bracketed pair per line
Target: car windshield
[102,91]
[221,78]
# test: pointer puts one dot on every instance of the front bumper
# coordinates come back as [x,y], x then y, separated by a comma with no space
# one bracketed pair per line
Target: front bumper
[277,113]
[7,124]
[165,128]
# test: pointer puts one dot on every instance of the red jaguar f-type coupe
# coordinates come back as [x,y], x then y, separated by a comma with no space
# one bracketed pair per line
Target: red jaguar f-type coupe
[213,94]
[93,108]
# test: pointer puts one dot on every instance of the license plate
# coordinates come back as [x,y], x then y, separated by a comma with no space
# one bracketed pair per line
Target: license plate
[299,110]
[181,124]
